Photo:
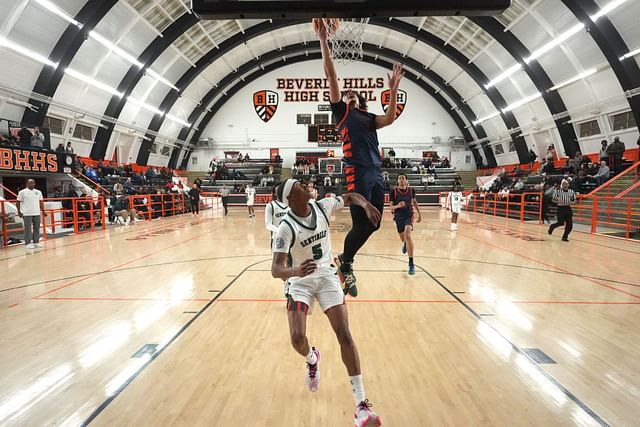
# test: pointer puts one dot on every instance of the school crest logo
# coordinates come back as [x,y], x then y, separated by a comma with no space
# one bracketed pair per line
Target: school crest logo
[265,102]
[401,101]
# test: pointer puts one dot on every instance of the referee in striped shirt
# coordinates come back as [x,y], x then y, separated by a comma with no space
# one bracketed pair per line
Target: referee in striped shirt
[564,198]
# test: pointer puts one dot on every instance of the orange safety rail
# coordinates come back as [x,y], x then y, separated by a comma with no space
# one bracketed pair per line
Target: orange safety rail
[83,214]
[211,198]
[583,209]
[158,205]
[518,205]
[8,191]
[605,189]
[629,189]
[615,213]
[16,230]
[88,212]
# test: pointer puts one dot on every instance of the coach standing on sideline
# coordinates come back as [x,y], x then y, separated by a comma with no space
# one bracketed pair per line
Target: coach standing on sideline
[564,198]
[30,204]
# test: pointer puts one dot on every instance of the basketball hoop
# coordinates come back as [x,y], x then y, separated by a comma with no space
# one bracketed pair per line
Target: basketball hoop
[345,38]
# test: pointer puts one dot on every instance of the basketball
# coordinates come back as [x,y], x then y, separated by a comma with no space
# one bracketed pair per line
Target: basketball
[331,24]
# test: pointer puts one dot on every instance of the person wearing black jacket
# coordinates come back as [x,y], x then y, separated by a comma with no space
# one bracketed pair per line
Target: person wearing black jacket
[194,199]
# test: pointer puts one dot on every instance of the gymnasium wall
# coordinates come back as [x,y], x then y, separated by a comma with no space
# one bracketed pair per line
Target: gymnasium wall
[237,126]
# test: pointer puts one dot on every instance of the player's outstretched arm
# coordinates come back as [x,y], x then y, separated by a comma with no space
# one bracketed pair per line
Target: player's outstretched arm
[357,200]
[327,62]
[394,81]
[279,269]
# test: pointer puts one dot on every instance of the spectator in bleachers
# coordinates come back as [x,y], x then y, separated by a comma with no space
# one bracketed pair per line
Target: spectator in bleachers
[240,158]
[617,152]
[551,153]
[392,155]
[118,188]
[432,171]
[24,135]
[604,172]
[128,186]
[69,148]
[547,167]
[90,173]
[519,185]
[37,139]
[576,162]
[604,155]
[445,163]
[247,158]
[60,148]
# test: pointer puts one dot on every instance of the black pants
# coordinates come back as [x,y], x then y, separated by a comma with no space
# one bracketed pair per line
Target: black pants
[224,204]
[368,183]
[546,203]
[565,217]
[195,205]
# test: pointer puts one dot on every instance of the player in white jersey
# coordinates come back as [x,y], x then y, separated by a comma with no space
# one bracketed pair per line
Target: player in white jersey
[456,199]
[273,214]
[251,194]
[304,232]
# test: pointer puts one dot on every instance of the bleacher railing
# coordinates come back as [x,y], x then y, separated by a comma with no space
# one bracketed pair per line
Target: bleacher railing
[88,214]
[601,213]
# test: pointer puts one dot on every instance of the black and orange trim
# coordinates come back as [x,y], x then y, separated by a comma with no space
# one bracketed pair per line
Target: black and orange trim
[296,305]
[350,174]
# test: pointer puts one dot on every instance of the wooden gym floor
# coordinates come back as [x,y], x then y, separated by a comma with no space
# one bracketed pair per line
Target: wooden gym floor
[178,322]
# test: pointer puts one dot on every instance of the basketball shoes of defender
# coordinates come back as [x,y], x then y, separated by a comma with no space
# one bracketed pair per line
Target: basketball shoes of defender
[347,278]
[365,417]
[313,373]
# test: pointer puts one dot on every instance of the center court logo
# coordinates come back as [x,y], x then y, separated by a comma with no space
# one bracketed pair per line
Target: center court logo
[401,101]
[265,102]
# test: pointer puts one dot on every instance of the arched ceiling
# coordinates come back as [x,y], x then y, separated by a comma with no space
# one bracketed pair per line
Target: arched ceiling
[148,65]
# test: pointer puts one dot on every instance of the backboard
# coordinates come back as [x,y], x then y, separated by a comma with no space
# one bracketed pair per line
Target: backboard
[307,9]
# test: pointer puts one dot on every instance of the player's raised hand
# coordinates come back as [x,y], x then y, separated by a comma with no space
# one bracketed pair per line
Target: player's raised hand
[395,76]
[306,268]
[320,28]
[373,214]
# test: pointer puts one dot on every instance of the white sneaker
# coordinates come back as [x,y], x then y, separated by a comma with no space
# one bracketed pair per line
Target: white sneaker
[313,373]
[30,246]
[38,245]
[453,227]
[365,417]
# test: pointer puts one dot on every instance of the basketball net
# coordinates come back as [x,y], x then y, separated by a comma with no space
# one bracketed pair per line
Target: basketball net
[345,42]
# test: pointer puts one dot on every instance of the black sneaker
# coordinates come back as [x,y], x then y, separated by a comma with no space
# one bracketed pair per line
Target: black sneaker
[347,278]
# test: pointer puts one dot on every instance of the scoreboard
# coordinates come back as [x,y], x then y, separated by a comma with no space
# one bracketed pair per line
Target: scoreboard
[328,136]
[325,135]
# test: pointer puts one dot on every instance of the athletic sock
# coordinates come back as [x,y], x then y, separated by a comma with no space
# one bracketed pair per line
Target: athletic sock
[357,388]
[312,358]
[411,260]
